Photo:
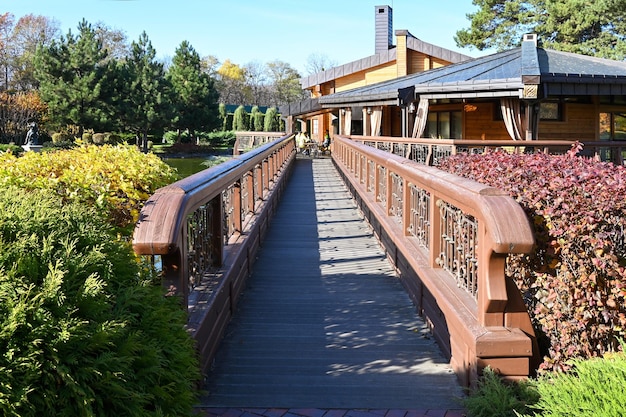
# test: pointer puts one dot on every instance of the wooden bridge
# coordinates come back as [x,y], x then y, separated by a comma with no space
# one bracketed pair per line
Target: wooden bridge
[328,317]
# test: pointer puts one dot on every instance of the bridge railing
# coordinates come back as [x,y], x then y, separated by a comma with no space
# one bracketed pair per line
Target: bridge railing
[431,151]
[203,232]
[449,238]
[245,141]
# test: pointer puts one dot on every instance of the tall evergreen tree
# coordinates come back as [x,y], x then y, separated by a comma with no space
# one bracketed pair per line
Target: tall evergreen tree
[71,74]
[194,93]
[271,121]
[146,106]
[595,28]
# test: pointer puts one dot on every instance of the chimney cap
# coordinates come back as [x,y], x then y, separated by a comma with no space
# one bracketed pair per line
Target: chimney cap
[530,37]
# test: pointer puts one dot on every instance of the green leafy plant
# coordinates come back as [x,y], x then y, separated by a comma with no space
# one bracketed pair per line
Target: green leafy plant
[84,331]
[116,180]
[592,388]
[494,397]
[575,282]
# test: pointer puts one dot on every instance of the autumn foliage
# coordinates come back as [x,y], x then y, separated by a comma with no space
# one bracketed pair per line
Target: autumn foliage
[116,180]
[575,282]
[17,110]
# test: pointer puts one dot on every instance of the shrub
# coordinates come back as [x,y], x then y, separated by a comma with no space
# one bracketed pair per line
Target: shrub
[117,180]
[61,137]
[87,137]
[592,388]
[496,398]
[575,282]
[241,120]
[84,331]
[271,120]
[98,138]
[13,149]
[221,139]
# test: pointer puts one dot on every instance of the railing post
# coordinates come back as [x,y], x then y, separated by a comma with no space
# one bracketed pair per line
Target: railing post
[251,203]
[388,191]
[172,275]
[406,207]
[265,175]
[216,208]
[258,182]
[237,207]
[435,232]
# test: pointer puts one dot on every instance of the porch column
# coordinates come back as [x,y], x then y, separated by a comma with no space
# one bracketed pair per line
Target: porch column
[367,122]
[532,120]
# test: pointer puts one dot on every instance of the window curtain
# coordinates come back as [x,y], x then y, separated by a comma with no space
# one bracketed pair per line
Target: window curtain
[347,121]
[375,120]
[512,115]
[421,116]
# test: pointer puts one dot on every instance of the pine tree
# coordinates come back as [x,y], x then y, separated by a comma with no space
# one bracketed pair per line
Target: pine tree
[71,73]
[146,106]
[590,28]
[194,93]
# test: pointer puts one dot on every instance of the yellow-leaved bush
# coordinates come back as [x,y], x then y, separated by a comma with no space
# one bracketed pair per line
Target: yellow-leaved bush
[117,180]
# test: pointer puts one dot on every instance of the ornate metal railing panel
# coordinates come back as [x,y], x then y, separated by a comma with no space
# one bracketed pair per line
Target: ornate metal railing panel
[431,151]
[459,246]
[419,224]
[190,224]
[397,197]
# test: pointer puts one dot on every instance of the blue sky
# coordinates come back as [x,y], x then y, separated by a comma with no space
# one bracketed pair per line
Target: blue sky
[259,30]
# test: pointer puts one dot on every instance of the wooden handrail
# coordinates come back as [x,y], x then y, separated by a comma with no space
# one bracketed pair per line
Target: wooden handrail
[428,151]
[455,234]
[164,222]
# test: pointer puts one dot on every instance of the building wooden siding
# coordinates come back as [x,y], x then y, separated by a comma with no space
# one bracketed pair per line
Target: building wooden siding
[580,123]
[480,123]
[419,62]
[371,76]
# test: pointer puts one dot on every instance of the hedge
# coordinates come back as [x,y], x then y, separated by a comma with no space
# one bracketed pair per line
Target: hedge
[84,330]
[575,282]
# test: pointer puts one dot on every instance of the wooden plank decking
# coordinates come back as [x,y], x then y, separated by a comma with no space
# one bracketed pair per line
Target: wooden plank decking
[324,321]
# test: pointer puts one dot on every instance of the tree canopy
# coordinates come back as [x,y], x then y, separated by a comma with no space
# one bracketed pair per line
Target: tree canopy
[71,73]
[595,28]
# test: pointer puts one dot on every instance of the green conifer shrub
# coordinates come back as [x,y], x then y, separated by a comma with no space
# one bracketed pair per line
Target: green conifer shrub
[84,330]
[591,388]
[494,397]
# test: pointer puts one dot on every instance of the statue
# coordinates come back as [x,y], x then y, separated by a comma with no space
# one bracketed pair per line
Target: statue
[32,137]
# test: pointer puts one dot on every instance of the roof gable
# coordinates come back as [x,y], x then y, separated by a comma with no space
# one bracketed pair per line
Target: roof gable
[503,71]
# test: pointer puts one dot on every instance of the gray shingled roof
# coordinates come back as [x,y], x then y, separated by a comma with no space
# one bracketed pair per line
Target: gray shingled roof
[497,75]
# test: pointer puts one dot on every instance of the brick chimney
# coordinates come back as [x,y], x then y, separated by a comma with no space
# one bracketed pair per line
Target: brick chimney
[384,28]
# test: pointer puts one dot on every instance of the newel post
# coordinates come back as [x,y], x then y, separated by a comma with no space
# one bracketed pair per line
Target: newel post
[492,291]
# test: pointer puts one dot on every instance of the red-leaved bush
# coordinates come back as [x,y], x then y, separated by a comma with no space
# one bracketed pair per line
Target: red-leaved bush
[574,283]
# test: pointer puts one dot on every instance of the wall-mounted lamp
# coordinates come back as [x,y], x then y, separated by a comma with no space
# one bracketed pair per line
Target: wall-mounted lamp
[343,111]
[412,108]
[369,110]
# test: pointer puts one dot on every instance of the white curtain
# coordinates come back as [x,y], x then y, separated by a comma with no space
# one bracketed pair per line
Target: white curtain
[375,120]
[511,113]
[347,121]
[421,116]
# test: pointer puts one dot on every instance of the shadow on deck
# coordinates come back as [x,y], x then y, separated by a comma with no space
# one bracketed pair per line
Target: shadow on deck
[324,322]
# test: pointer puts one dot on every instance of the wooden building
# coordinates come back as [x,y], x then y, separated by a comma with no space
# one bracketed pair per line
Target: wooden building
[409,55]
[525,93]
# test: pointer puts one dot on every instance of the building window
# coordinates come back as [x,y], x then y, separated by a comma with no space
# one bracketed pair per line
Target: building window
[444,125]
[613,126]
[551,110]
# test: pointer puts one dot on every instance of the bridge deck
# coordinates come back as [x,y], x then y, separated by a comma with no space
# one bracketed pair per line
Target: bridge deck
[324,322]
